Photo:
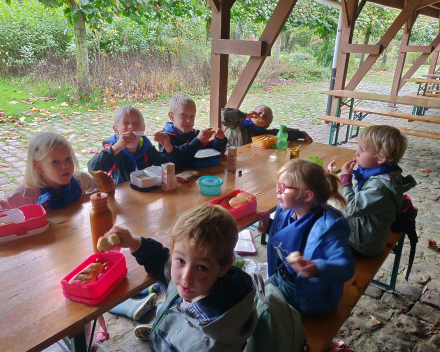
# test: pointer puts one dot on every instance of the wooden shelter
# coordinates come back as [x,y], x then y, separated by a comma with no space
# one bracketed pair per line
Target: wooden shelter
[222,47]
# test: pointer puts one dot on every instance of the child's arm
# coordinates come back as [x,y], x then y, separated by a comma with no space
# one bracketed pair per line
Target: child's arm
[102,161]
[265,222]
[219,142]
[88,183]
[335,263]
[232,117]
[149,253]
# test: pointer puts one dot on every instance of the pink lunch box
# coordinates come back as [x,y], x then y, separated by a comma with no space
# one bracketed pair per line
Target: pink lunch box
[96,292]
[240,212]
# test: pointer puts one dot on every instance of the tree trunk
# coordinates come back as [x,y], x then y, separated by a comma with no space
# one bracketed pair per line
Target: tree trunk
[208,30]
[385,53]
[82,59]
[366,41]
[326,43]
[239,30]
[277,50]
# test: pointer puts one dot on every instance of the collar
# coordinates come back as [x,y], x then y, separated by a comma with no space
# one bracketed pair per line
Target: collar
[249,123]
[71,192]
[361,175]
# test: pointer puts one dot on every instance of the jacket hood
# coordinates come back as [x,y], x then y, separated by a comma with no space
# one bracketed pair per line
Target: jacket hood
[227,315]
[397,184]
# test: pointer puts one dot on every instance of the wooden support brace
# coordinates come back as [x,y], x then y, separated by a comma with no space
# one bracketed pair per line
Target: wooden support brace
[360,48]
[416,49]
[215,4]
[238,47]
[271,31]
[425,3]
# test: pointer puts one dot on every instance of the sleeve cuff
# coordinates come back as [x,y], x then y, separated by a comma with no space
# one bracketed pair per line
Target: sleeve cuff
[139,245]
[347,180]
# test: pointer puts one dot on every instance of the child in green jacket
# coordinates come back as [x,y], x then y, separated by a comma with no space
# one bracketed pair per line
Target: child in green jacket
[373,201]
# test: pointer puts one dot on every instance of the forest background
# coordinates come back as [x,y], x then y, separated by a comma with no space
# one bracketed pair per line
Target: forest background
[147,50]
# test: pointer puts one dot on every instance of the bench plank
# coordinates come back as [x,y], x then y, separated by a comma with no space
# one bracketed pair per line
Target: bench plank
[406,131]
[399,115]
[322,328]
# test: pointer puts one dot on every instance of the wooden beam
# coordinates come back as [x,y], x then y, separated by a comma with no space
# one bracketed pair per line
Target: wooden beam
[219,62]
[398,4]
[434,58]
[425,3]
[422,58]
[271,31]
[215,4]
[238,47]
[415,49]
[344,9]
[360,48]
[403,16]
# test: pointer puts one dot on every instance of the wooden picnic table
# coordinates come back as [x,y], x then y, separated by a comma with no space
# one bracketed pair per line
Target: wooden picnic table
[432,75]
[34,313]
[423,80]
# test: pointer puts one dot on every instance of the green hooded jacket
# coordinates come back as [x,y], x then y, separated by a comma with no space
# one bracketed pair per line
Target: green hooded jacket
[372,210]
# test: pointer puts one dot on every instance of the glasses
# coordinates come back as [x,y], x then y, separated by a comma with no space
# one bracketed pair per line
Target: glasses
[281,188]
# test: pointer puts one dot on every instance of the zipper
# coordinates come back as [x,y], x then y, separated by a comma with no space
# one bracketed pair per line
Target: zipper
[164,313]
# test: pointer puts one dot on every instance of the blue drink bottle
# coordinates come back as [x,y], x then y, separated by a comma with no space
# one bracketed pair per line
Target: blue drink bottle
[282,138]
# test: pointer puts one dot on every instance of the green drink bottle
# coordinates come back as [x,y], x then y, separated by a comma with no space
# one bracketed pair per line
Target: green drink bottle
[282,138]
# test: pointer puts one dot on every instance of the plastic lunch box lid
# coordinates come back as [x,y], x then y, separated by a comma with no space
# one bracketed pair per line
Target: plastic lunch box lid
[210,181]
[207,153]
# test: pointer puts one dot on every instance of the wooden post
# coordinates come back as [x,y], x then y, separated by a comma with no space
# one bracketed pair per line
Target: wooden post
[219,62]
[434,58]
[349,10]
[402,55]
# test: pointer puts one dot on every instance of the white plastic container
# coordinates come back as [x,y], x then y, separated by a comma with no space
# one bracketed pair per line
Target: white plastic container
[146,180]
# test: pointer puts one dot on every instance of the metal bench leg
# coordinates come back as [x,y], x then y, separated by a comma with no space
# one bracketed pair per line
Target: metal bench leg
[397,250]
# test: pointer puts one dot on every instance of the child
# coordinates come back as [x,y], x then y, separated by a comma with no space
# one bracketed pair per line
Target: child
[182,134]
[50,178]
[125,151]
[242,127]
[305,223]
[372,204]
[209,304]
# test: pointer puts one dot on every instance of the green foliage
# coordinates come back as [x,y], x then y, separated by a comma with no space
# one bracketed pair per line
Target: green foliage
[424,31]
[28,32]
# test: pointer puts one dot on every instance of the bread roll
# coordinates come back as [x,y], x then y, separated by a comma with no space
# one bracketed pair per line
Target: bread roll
[248,197]
[293,257]
[101,179]
[237,202]
[89,274]
[106,242]
[185,176]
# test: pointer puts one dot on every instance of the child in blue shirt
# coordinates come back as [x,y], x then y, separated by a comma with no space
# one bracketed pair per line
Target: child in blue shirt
[127,151]
[305,223]
[242,127]
[184,136]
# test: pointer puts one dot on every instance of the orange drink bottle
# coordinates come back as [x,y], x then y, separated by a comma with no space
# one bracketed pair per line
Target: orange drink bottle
[101,219]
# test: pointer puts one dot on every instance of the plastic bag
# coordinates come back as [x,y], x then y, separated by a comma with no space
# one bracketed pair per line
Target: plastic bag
[251,267]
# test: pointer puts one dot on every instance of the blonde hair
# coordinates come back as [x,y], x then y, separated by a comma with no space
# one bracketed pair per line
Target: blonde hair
[126,110]
[40,146]
[270,117]
[308,175]
[211,229]
[179,99]
[386,141]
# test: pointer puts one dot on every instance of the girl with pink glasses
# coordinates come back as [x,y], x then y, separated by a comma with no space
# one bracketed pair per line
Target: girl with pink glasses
[305,223]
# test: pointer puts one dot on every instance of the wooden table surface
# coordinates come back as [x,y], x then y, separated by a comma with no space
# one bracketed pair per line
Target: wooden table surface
[413,101]
[34,313]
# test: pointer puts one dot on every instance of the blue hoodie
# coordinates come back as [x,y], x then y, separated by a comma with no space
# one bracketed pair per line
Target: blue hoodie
[328,247]
[188,144]
[124,163]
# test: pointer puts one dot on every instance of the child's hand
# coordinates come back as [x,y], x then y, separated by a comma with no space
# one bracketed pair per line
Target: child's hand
[347,168]
[307,138]
[264,217]
[111,181]
[163,139]
[205,135]
[220,134]
[124,139]
[126,238]
[307,268]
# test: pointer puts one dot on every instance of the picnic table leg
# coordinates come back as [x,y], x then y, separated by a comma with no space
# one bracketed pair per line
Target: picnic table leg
[78,342]
[350,115]
[332,126]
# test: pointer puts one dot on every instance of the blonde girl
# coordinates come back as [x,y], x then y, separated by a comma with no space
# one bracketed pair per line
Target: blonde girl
[50,176]
[305,223]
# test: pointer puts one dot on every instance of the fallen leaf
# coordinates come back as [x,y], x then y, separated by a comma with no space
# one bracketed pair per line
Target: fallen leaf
[5,165]
[374,319]
[423,187]
[425,170]
[12,102]
[20,91]
[355,328]
[64,104]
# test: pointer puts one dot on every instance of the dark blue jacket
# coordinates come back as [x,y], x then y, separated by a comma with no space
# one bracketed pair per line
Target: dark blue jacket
[120,166]
[188,144]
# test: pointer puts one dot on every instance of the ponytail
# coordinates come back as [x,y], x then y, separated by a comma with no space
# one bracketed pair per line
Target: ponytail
[335,186]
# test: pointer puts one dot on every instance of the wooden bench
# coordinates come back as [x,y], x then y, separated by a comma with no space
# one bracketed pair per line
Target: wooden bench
[365,111]
[338,121]
[322,328]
